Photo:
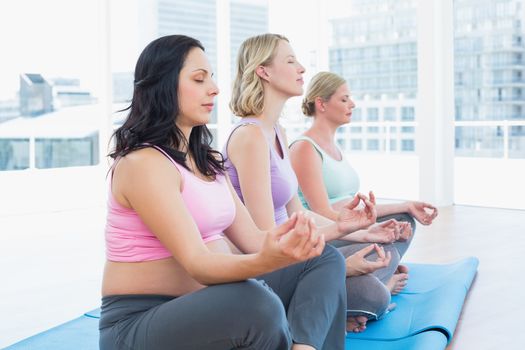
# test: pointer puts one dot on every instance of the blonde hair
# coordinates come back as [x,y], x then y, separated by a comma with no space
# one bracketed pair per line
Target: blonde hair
[247,94]
[324,85]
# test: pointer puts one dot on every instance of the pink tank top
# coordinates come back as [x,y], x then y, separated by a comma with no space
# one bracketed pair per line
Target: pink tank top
[210,204]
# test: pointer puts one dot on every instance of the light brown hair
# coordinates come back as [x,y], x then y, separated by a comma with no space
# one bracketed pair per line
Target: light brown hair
[324,85]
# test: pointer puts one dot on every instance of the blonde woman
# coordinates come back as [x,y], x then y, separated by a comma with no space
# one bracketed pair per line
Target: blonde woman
[316,159]
[327,181]
[326,178]
[268,74]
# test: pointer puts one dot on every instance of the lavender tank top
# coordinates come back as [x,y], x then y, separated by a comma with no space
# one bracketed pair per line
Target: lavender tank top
[283,180]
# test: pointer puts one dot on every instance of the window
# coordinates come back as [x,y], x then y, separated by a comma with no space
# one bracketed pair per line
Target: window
[49,110]
[393,145]
[407,145]
[389,114]
[372,145]
[372,114]
[14,154]
[407,113]
[479,141]
[356,145]
[356,115]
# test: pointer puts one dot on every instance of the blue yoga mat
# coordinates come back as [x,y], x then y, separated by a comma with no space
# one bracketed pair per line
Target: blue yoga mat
[78,334]
[433,301]
[426,277]
[425,318]
[431,340]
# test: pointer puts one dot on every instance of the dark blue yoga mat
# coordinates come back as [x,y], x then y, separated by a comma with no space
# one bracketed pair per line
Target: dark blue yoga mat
[431,340]
[433,301]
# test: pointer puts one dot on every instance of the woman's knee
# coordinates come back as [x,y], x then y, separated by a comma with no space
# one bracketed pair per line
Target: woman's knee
[367,293]
[260,297]
[333,260]
[265,316]
[261,306]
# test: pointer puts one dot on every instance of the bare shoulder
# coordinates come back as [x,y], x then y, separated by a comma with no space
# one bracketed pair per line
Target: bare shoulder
[248,136]
[143,171]
[143,166]
[300,146]
[144,159]
[303,150]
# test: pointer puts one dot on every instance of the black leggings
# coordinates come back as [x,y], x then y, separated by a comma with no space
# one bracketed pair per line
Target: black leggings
[304,303]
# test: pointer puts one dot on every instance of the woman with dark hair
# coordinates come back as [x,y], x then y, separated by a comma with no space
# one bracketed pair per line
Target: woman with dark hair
[171,280]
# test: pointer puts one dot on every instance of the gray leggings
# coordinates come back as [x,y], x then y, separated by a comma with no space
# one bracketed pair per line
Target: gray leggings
[368,294]
[304,303]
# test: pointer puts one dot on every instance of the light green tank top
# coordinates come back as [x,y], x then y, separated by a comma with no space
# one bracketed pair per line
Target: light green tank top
[340,178]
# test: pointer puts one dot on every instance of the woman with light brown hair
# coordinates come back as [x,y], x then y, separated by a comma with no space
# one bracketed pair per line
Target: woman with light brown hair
[326,178]
[268,74]
[317,159]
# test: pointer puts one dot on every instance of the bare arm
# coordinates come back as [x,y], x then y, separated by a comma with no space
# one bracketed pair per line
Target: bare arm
[326,226]
[348,218]
[424,213]
[295,205]
[246,235]
[349,222]
[307,164]
[248,151]
[394,208]
[148,183]
[243,232]
[382,209]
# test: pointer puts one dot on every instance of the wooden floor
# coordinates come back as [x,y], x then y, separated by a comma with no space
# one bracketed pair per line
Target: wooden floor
[493,316]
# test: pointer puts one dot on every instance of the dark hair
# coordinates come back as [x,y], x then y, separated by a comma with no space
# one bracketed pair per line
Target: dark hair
[155,107]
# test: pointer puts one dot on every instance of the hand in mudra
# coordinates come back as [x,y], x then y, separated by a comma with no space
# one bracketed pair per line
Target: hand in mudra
[384,232]
[423,212]
[357,264]
[294,241]
[353,217]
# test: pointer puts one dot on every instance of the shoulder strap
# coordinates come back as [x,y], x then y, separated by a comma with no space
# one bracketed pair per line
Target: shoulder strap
[179,167]
[243,122]
[312,142]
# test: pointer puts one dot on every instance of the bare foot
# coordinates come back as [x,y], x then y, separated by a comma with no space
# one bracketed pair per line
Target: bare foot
[398,280]
[402,269]
[356,324]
